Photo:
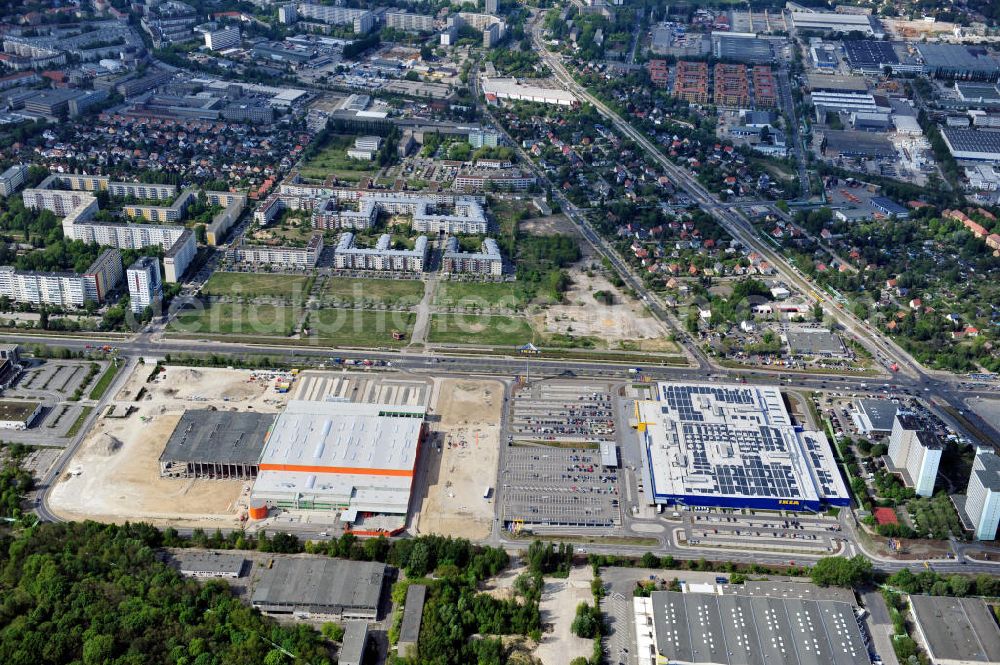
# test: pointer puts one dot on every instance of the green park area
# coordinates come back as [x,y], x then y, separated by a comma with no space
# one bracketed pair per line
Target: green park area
[484,330]
[362,328]
[479,295]
[256,285]
[390,292]
[332,159]
[236,319]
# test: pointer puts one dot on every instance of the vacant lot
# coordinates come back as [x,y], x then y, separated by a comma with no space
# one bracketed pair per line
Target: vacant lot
[253,285]
[468,435]
[477,329]
[558,607]
[115,475]
[391,292]
[478,295]
[349,327]
[236,319]
[333,160]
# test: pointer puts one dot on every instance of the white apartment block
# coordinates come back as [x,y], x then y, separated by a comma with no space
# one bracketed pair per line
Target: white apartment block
[64,289]
[352,209]
[287,14]
[487,261]
[982,498]
[233,204]
[154,213]
[465,215]
[102,183]
[219,40]
[332,215]
[61,202]
[269,209]
[280,255]
[178,242]
[347,256]
[12,179]
[500,180]
[409,22]
[492,34]
[361,19]
[78,208]
[145,285]
[178,256]
[916,452]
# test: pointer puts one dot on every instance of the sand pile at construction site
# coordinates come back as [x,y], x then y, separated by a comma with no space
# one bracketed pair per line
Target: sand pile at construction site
[107,445]
[188,375]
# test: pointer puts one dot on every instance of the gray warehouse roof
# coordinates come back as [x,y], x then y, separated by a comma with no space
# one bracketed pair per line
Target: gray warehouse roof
[880,413]
[320,585]
[218,437]
[859,143]
[957,629]
[798,590]
[413,614]
[210,563]
[814,342]
[957,57]
[352,649]
[743,630]
[742,49]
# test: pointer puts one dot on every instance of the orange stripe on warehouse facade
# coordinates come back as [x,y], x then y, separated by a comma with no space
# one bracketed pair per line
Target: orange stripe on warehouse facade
[337,469]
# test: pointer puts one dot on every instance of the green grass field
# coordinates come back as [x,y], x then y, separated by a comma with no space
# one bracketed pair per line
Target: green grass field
[236,319]
[78,423]
[333,159]
[485,330]
[387,291]
[104,382]
[363,328]
[472,294]
[254,285]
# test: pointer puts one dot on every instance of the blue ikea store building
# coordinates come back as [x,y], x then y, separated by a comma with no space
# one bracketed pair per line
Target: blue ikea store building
[733,446]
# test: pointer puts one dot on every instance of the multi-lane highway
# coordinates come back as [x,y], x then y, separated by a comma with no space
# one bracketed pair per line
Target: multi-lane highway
[729,217]
[910,373]
[913,378]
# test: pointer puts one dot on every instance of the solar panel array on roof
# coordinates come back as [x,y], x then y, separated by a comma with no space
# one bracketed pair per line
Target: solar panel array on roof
[870,54]
[736,446]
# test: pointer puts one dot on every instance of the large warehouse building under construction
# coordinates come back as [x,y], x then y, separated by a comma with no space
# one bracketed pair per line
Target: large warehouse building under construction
[215,444]
[357,459]
[733,446]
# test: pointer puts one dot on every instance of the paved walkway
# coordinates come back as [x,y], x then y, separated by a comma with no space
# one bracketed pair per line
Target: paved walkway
[422,324]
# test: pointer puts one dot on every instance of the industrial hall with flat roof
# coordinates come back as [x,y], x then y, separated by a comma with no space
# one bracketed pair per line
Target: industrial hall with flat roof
[355,460]
[724,626]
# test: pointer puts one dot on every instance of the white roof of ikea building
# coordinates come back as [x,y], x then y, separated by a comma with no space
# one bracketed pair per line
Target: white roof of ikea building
[339,435]
[733,441]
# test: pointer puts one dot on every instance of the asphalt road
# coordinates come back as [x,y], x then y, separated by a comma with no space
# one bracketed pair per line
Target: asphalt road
[913,378]
[911,374]
[503,367]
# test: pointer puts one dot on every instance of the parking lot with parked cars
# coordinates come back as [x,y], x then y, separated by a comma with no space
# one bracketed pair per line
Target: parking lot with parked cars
[559,411]
[566,487]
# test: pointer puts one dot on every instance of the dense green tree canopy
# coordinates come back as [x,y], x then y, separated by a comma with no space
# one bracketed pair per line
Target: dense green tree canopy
[840,571]
[96,594]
